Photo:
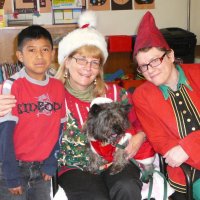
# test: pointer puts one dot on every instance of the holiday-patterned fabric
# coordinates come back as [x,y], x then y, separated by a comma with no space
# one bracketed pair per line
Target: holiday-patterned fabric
[73,145]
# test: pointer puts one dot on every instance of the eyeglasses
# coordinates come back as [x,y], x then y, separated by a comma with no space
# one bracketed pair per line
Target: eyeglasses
[83,61]
[154,63]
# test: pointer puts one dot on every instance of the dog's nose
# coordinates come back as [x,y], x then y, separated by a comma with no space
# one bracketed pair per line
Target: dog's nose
[117,129]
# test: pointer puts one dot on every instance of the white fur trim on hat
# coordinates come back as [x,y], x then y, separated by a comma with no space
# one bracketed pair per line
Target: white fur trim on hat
[100,100]
[81,37]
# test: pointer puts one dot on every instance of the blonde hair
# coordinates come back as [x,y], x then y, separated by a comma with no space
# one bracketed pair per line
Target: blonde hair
[88,51]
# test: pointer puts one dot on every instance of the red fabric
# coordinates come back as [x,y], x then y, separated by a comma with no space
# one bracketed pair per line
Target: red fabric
[85,25]
[145,151]
[158,120]
[120,43]
[80,113]
[37,124]
[105,151]
[149,35]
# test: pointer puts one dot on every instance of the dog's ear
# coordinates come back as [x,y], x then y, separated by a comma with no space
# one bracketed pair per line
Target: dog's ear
[125,108]
[95,109]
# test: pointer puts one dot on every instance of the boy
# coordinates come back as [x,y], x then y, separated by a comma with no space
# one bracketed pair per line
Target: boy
[29,133]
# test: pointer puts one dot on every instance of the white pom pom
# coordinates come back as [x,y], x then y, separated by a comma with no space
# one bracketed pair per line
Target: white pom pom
[88,17]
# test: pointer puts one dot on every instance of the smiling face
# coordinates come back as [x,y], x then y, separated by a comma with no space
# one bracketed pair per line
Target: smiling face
[84,66]
[82,75]
[36,55]
[163,74]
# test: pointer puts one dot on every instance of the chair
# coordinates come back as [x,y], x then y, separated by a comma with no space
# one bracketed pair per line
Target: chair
[188,176]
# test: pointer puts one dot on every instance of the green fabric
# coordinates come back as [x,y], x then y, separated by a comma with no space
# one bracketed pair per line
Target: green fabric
[196,190]
[73,149]
[182,80]
[85,95]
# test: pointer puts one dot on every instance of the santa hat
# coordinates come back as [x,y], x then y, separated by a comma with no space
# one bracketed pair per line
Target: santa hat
[149,35]
[86,34]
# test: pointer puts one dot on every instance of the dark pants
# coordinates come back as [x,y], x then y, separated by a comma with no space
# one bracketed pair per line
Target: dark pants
[178,196]
[33,185]
[80,185]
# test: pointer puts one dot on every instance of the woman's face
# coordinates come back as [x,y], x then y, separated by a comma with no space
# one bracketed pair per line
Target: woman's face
[164,73]
[82,71]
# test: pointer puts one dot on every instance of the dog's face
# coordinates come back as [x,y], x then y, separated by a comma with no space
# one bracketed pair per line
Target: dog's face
[107,122]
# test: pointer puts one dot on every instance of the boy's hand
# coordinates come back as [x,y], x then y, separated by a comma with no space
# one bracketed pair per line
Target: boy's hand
[46,177]
[7,102]
[16,191]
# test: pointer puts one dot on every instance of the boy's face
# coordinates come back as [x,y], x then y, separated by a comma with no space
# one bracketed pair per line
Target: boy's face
[36,55]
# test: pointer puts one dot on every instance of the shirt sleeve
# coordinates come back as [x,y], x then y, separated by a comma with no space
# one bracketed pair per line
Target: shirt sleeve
[191,144]
[156,132]
[50,164]
[7,154]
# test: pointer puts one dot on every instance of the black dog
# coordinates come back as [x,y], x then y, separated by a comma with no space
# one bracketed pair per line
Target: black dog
[105,129]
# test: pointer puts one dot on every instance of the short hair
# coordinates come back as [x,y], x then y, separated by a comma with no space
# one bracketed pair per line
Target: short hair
[33,32]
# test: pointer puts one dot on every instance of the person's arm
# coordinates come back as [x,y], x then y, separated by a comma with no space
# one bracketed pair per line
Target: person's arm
[158,133]
[134,144]
[187,149]
[7,102]
[163,138]
[176,156]
[50,164]
[9,163]
[7,152]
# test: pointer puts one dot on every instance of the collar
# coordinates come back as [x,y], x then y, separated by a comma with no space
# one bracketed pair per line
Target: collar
[182,81]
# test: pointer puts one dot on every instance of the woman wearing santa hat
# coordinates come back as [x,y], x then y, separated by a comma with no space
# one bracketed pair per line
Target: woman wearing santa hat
[168,105]
[81,55]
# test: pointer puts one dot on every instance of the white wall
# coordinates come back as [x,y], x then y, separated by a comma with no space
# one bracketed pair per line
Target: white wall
[167,13]
[194,19]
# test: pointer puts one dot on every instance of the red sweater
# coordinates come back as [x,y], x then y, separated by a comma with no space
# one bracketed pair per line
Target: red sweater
[79,110]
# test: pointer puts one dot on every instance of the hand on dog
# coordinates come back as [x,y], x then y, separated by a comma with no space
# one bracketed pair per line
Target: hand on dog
[134,144]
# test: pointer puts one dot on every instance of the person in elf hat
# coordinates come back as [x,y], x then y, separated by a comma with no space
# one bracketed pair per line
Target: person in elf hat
[168,105]
[81,55]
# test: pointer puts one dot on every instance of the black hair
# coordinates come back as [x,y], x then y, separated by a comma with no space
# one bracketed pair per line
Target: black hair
[33,32]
